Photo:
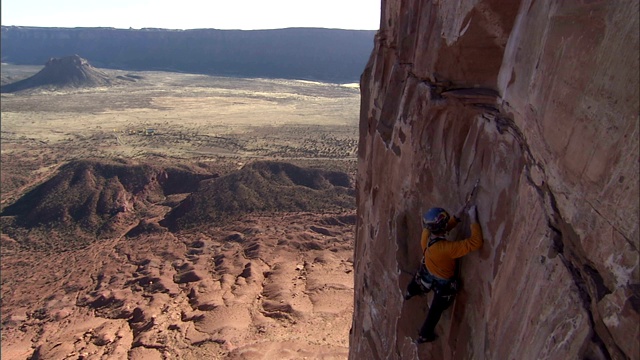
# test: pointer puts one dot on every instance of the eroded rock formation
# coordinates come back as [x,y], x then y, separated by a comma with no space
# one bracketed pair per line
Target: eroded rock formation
[89,272]
[93,199]
[68,71]
[538,100]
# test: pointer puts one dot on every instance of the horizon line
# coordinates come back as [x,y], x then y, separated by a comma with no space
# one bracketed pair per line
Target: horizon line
[174,29]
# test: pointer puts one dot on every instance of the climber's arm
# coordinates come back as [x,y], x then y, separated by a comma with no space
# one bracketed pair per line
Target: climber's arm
[452,222]
[458,249]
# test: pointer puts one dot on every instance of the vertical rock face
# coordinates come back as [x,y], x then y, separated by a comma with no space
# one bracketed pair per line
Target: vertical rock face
[538,100]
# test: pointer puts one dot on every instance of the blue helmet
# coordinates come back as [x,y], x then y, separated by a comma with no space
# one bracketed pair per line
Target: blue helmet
[435,220]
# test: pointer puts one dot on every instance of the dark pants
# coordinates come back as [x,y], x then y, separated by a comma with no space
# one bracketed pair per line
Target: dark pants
[444,294]
[442,299]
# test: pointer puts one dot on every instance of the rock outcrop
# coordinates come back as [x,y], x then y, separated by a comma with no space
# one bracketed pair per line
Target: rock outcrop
[68,71]
[539,101]
[95,199]
[263,187]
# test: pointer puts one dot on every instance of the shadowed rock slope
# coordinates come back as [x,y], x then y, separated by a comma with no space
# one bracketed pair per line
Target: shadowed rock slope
[95,198]
[263,187]
[69,71]
[539,101]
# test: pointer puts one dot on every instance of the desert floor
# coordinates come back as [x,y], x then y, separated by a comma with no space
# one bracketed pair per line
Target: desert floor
[191,117]
[267,286]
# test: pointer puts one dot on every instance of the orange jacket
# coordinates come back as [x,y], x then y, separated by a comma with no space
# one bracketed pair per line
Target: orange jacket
[440,257]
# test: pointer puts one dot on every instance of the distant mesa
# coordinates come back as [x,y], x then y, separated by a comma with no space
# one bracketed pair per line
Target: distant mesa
[328,55]
[69,71]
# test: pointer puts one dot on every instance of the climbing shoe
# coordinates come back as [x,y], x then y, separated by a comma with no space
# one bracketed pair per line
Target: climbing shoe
[425,339]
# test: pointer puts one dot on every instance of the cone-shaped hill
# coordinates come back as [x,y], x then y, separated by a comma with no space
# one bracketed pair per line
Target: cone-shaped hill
[265,187]
[94,198]
[69,71]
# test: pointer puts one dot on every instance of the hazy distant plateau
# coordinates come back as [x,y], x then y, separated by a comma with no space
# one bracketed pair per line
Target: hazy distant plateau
[332,55]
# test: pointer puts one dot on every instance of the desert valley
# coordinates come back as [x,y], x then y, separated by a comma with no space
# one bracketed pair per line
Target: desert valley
[176,216]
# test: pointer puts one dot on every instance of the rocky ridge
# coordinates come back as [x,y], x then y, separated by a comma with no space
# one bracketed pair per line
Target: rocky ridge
[263,187]
[92,199]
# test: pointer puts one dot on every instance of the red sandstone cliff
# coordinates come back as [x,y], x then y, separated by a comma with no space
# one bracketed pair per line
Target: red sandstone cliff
[538,100]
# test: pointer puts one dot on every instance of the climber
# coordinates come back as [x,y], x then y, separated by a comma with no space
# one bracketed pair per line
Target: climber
[438,267]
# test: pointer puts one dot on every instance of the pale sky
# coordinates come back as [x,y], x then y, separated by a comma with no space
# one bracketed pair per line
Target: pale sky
[193,14]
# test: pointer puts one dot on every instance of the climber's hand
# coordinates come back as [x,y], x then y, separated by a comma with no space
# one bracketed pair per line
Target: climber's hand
[473,214]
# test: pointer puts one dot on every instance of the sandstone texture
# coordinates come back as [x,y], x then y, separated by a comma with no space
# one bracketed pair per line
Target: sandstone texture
[539,101]
[264,287]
